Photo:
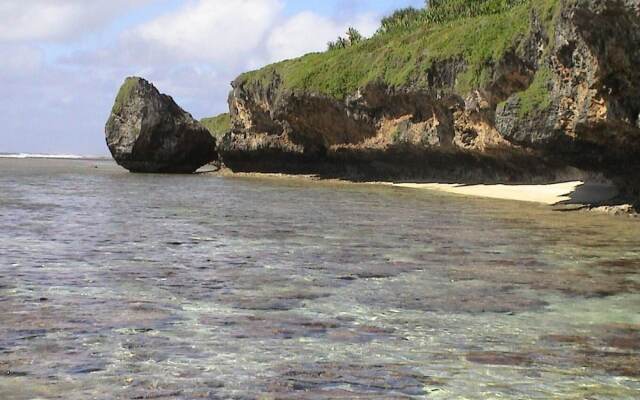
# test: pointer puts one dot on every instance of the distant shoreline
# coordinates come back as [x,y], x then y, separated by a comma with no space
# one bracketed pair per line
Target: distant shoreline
[22,156]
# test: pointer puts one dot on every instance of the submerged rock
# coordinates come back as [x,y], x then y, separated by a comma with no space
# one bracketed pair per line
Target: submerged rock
[622,209]
[148,132]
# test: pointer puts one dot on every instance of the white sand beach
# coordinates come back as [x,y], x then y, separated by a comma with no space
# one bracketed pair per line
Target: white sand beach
[574,192]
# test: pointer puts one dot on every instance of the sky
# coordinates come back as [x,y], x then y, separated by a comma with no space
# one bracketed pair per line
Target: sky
[62,61]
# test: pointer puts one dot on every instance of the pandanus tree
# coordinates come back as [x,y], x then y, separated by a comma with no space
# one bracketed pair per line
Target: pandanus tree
[352,37]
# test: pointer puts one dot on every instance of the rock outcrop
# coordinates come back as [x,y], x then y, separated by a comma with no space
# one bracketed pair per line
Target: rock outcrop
[148,132]
[565,93]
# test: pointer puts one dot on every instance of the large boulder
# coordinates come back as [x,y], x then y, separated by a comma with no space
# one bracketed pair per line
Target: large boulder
[148,132]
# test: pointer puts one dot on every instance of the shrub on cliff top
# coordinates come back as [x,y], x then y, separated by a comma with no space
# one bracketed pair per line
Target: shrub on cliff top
[442,11]
[400,19]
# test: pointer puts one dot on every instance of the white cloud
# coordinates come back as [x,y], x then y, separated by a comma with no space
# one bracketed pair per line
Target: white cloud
[211,30]
[367,24]
[302,33]
[235,34]
[19,60]
[22,20]
[308,32]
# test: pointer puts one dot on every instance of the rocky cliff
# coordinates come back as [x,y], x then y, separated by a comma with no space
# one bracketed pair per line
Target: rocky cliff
[148,132]
[510,90]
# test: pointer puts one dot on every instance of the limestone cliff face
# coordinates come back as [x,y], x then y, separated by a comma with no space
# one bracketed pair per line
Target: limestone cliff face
[566,94]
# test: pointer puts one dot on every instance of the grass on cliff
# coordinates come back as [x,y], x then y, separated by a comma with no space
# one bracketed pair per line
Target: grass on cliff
[218,125]
[477,32]
[537,96]
[124,94]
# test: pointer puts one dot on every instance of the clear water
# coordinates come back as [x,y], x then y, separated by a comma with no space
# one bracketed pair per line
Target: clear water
[120,286]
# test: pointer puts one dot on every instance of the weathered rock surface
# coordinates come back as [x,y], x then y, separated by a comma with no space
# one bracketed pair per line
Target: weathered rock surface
[566,95]
[148,132]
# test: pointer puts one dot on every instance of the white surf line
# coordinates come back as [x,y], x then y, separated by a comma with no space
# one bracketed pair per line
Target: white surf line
[29,155]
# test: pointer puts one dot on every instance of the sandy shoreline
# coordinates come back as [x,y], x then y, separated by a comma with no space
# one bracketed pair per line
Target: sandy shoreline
[573,192]
[562,193]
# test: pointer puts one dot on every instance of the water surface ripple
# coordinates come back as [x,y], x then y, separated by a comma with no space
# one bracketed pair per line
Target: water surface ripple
[121,286]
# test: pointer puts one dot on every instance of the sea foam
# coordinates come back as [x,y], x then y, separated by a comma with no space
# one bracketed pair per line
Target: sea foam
[30,155]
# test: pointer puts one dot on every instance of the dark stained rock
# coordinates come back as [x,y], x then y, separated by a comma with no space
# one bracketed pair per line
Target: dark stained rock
[148,132]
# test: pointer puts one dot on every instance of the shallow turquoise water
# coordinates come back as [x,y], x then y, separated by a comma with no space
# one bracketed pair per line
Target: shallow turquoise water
[120,286]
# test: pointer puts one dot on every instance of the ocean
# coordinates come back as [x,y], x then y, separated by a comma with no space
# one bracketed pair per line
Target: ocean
[122,286]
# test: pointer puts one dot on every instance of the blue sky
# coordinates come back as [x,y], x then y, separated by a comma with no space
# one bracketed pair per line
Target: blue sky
[63,60]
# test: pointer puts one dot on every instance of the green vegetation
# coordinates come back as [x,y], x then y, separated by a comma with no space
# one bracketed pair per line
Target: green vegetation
[443,11]
[218,125]
[410,42]
[124,94]
[353,37]
[536,97]
[404,18]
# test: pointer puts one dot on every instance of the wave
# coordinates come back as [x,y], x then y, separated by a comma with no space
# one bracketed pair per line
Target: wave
[30,155]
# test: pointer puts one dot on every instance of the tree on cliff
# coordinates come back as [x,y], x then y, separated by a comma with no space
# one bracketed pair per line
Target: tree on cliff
[353,37]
